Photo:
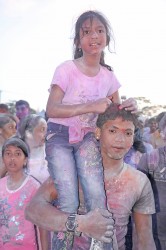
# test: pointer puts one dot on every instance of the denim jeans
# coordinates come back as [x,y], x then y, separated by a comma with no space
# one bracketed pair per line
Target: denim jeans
[69,162]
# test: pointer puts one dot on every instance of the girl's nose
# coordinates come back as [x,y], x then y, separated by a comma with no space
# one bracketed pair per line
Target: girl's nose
[94,34]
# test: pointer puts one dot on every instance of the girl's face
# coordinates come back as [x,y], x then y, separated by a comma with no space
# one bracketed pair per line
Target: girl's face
[14,159]
[93,37]
[39,133]
[9,129]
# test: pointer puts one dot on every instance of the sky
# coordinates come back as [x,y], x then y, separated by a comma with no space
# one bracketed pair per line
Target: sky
[37,35]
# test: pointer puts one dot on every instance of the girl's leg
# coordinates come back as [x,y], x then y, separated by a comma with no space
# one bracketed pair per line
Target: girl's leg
[90,172]
[61,164]
[62,168]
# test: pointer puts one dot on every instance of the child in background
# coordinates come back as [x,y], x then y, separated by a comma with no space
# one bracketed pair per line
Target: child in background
[16,190]
[80,90]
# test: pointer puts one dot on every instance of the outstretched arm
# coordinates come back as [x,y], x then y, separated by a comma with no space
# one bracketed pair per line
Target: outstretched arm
[56,109]
[97,224]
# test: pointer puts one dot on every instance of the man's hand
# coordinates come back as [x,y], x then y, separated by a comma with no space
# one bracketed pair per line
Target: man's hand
[97,224]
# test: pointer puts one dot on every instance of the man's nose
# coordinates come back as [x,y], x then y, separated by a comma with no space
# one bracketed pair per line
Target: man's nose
[120,137]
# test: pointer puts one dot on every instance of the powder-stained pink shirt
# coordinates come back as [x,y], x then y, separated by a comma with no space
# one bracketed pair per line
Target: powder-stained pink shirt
[15,231]
[80,88]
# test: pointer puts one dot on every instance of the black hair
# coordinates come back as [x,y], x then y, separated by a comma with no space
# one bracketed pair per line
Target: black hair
[113,112]
[4,107]
[6,118]
[138,143]
[78,26]
[22,102]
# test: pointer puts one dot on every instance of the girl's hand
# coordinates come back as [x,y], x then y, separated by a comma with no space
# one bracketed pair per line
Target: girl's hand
[100,105]
[130,104]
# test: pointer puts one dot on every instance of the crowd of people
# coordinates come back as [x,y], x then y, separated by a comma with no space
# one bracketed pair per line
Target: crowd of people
[89,174]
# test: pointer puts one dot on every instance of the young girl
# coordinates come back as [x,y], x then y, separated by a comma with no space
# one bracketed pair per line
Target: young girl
[16,190]
[80,90]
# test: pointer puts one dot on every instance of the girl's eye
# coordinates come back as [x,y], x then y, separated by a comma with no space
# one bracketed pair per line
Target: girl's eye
[86,32]
[101,31]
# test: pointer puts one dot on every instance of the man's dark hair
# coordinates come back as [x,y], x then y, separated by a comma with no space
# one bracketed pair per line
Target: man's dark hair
[113,112]
[4,107]
[22,102]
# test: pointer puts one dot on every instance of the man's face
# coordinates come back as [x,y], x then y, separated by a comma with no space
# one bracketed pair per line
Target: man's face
[116,138]
[153,126]
[22,111]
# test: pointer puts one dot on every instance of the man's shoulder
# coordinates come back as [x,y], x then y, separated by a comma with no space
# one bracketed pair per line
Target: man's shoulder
[135,173]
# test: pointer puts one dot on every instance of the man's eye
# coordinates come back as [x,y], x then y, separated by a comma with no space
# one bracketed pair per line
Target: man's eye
[7,153]
[112,131]
[129,133]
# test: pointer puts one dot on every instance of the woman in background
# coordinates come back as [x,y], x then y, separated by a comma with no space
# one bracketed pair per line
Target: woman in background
[32,130]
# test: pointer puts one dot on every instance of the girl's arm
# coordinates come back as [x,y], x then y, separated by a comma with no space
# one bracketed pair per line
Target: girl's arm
[55,108]
[115,98]
[129,104]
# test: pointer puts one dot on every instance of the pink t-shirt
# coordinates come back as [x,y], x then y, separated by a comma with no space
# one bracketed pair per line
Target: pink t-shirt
[15,231]
[80,88]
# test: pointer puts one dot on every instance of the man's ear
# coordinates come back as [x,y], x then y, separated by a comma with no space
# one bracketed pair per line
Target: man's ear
[97,133]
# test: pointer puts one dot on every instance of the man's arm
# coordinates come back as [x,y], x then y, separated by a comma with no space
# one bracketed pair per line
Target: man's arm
[97,224]
[143,225]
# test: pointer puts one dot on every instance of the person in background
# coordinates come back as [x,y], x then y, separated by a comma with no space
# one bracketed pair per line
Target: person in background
[143,131]
[134,154]
[154,135]
[16,191]
[154,165]
[4,108]
[7,129]
[22,109]
[80,90]
[32,130]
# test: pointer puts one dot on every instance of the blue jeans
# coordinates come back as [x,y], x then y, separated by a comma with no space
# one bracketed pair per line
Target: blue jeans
[69,162]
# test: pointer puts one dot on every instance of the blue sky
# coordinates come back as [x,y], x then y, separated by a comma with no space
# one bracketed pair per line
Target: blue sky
[37,35]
